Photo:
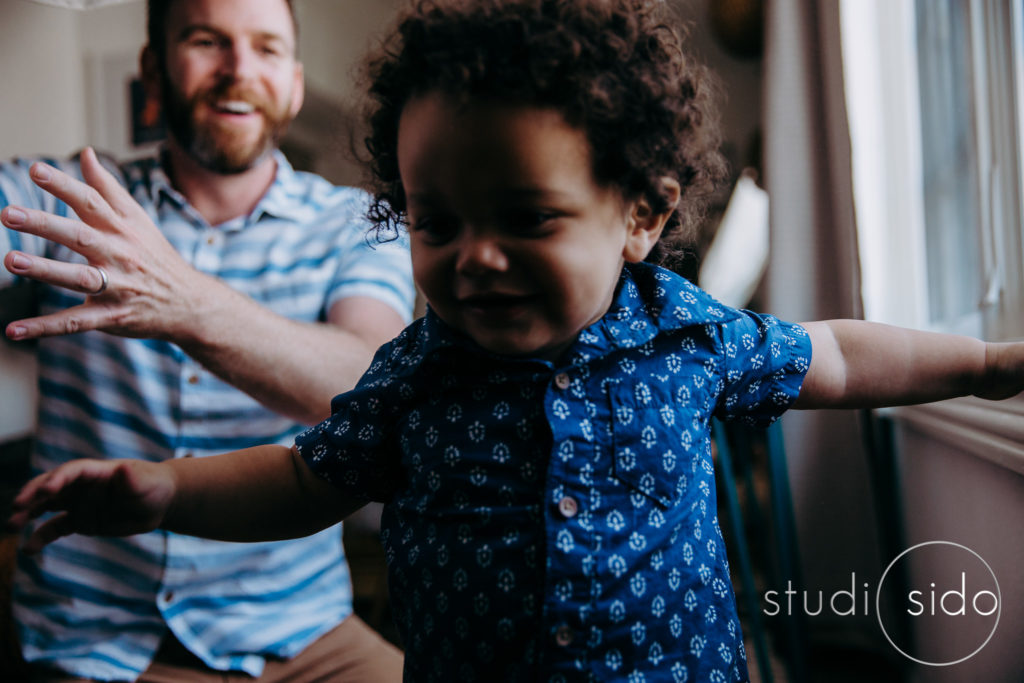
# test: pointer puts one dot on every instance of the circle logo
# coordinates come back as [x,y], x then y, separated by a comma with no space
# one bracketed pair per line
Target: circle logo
[943,606]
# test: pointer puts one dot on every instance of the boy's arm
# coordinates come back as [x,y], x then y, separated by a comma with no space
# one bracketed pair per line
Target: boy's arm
[265,493]
[856,364]
[257,494]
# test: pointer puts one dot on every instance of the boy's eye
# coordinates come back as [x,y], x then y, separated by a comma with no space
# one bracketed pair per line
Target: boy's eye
[528,220]
[435,229]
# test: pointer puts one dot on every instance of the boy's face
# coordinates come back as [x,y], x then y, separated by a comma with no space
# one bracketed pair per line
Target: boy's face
[231,82]
[513,241]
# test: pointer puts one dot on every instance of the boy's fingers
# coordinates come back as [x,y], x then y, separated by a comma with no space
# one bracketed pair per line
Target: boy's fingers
[57,526]
[35,498]
[47,491]
[17,521]
[26,498]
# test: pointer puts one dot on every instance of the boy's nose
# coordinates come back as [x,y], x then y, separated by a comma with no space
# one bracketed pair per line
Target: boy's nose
[480,254]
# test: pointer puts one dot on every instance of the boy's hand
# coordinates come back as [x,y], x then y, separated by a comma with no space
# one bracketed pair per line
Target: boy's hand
[1004,371]
[95,498]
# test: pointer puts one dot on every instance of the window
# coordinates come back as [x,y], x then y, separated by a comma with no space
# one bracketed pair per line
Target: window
[934,97]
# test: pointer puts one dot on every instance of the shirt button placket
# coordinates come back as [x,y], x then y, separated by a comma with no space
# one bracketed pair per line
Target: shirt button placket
[568,507]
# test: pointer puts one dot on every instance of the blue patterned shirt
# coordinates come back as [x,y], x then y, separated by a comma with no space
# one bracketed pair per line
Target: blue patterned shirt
[558,521]
[98,607]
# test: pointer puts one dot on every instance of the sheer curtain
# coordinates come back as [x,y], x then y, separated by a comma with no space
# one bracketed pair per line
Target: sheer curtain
[814,274]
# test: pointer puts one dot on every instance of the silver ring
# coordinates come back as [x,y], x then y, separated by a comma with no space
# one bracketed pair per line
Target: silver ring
[103,285]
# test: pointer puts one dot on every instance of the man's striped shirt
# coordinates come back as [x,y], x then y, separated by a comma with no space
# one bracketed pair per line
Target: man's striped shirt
[98,607]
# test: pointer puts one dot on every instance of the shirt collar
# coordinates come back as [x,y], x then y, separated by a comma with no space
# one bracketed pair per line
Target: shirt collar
[648,300]
[159,182]
[280,200]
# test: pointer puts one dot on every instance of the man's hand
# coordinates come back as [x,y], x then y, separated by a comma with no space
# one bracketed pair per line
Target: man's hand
[149,285]
[95,498]
[291,367]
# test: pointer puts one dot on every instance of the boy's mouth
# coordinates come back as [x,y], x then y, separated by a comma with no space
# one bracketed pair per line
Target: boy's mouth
[496,303]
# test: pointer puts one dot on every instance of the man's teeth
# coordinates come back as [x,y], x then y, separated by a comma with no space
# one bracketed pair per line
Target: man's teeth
[236,107]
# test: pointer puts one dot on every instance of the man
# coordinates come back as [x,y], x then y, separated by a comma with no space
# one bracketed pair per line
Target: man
[257,299]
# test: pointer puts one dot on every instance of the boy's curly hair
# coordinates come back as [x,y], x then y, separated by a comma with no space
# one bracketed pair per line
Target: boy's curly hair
[614,68]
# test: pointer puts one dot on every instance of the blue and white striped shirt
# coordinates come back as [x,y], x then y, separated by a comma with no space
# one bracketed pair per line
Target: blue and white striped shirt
[98,607]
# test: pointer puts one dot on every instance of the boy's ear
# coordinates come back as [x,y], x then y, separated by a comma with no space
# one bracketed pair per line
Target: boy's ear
[644,226]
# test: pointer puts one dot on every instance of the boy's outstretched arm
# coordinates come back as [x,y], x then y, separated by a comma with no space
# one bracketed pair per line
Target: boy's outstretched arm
[256,494]
[857,364]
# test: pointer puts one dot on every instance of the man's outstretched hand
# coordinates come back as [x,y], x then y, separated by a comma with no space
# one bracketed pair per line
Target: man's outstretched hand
[149,286]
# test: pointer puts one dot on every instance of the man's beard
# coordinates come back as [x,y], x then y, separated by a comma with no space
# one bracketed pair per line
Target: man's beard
[215,145]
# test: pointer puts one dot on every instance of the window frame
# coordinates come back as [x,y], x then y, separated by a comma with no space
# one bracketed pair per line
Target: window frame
[883,105]
[881,79]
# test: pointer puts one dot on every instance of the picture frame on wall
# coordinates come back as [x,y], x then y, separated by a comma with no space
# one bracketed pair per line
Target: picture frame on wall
[147,121]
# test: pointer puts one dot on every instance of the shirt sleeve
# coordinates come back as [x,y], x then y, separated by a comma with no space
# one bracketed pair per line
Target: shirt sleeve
[356,448]
[766,360]
[370,267]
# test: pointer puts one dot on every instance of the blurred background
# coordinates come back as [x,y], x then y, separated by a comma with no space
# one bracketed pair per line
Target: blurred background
[876,156]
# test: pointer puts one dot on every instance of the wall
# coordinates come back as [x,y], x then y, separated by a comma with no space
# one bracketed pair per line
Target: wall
[961,470]
[39,69]
[740,78]
[42,84]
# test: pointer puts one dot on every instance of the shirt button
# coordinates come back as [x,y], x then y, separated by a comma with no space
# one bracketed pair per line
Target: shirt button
[568,507]
[564,635]
[168,596]
[187,455]
[562,380]
[193,379]
[211,240]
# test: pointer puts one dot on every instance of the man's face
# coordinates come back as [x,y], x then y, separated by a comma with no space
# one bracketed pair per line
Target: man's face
[231,83]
